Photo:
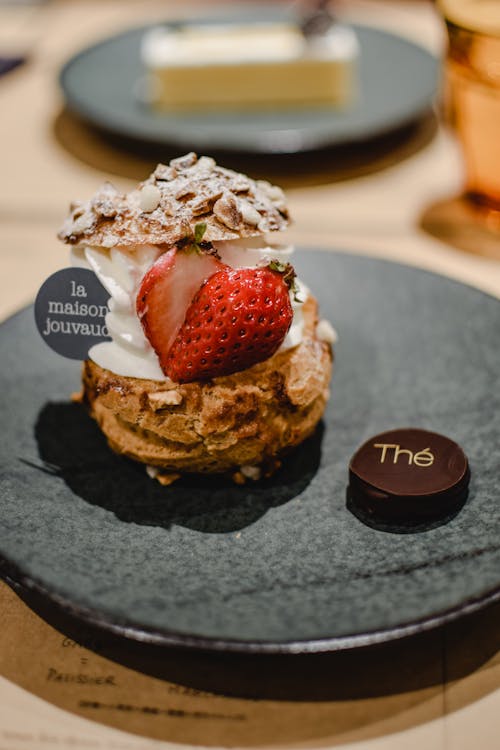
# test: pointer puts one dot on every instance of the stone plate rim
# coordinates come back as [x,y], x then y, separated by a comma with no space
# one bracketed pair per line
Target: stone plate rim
[32,589]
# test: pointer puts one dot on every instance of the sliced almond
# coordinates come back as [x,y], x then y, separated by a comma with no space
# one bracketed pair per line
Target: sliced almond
[249,213]
[184,162]
[205,163]
[204,203]
[227,211]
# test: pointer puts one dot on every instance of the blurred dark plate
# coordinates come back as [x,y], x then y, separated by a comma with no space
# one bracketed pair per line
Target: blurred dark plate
[398,82]
[279,565]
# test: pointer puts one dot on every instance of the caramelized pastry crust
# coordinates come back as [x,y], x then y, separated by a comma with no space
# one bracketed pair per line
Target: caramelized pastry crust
[248,419]
[168,206]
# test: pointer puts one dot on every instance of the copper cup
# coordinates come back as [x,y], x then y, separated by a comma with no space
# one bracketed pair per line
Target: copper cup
[472,101]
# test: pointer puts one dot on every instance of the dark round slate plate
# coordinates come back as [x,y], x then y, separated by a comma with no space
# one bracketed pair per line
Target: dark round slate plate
[280,565]
[397,85]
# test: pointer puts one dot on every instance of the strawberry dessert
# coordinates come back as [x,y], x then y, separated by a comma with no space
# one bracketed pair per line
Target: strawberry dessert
[217,361]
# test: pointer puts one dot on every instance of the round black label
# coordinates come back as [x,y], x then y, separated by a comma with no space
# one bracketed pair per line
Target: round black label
[70,312]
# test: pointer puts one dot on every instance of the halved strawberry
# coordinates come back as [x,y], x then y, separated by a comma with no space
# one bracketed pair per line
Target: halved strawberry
[239,317]
[166,292]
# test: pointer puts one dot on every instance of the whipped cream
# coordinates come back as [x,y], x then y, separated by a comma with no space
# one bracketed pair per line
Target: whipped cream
[121,270]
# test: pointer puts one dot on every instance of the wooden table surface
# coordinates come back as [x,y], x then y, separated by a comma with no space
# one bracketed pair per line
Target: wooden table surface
[392,200]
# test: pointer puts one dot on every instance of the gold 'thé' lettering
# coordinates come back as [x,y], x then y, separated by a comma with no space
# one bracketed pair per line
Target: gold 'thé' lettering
[422,458]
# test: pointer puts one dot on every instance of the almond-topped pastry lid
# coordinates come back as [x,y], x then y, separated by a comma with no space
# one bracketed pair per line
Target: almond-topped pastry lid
[166,208]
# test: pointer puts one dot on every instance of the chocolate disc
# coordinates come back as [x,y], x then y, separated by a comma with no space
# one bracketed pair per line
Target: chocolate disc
[408,476]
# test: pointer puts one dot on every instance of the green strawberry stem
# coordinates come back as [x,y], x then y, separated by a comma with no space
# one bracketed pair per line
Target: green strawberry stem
[289,276]
[194,242]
